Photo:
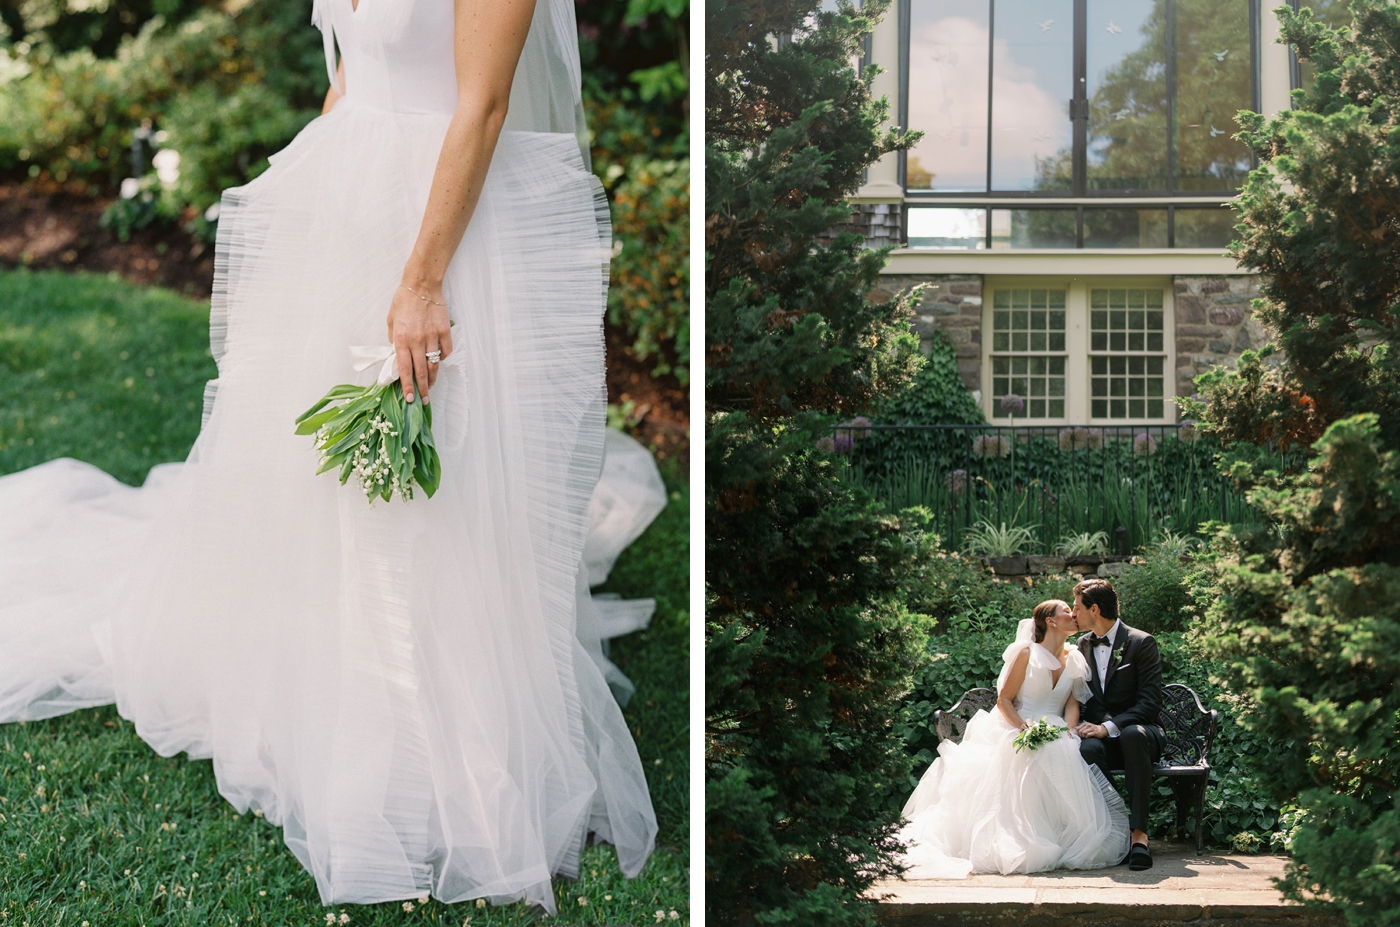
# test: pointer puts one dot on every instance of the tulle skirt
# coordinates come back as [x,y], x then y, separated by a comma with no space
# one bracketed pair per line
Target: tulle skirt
[983,807]
[400,687]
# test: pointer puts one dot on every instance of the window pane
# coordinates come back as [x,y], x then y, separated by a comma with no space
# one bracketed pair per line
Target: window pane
[948,229]
[1212,84]
[1127,90]
[1032,82]
[948,95]
[1033,228]
[1125,228]
[1205,228]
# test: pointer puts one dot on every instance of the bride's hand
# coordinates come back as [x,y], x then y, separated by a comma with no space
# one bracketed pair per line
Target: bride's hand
[419,325]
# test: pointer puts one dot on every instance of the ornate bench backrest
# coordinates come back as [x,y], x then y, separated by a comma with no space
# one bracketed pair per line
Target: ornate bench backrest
[951,723]
[1189,727]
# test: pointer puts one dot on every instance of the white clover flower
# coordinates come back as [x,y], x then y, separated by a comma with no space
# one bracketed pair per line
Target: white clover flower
[481,902]
[674,916]
[408,906]
[582,902]
[422,899]
[130,187]
[344,918]
[330,918]
[167,165]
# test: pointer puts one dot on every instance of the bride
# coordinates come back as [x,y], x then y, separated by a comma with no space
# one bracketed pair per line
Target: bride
[400,687]
[984,806]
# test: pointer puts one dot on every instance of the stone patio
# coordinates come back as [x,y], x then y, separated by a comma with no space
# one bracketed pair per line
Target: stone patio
[1182,887]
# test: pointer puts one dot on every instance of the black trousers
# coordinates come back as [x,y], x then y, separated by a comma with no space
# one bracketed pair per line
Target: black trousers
[1136,748]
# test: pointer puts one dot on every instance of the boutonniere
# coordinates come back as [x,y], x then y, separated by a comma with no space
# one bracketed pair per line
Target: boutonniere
[1115,659]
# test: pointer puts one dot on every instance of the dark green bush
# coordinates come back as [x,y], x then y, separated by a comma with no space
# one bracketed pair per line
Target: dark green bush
[1154,593]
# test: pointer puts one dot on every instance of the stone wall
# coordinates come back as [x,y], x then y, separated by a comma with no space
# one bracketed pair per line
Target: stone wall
[1213,325]
[952,302]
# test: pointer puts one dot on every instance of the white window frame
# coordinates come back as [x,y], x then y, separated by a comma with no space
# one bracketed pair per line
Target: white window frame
[1077,345]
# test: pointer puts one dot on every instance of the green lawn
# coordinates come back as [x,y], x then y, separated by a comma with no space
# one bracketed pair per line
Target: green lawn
[95,829]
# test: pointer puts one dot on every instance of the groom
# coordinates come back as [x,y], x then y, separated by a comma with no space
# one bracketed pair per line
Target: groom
[1120,727]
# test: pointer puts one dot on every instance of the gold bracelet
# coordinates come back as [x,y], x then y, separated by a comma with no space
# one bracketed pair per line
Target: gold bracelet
[420,296]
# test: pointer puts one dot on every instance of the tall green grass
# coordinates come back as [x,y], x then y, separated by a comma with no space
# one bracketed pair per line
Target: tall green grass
[94,827]
[1052,492]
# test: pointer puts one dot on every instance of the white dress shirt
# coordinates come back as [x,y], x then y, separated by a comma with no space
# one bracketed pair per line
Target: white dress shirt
[1101,657]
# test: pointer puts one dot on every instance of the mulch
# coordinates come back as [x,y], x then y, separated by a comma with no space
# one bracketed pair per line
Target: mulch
[53,226]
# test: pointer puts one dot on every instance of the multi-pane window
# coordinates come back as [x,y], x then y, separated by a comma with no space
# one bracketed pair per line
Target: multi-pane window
[1127,358]
[1028,344]
[1079,96]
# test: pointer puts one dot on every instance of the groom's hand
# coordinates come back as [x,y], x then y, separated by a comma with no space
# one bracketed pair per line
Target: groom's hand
[1096,731]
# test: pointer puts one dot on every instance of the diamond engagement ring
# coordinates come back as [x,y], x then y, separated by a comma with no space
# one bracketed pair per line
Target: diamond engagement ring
[434,357]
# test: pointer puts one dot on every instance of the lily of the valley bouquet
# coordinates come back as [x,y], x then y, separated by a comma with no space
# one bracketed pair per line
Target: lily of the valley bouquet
[372,434]
[1037,735]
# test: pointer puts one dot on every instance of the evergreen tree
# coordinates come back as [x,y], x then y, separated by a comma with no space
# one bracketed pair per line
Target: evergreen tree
[807,647]
[1306,607]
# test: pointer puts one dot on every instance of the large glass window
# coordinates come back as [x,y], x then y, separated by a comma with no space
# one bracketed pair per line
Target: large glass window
[1032,81]
[1086,96]
[948,42]
[1126,74]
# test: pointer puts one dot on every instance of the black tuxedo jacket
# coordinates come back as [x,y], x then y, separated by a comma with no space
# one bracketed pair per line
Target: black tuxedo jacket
[1132,691]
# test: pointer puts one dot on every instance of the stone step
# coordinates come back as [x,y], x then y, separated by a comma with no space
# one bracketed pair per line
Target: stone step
[1182,887]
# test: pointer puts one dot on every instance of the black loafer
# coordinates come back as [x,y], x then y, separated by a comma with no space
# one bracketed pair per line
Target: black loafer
[1139,857]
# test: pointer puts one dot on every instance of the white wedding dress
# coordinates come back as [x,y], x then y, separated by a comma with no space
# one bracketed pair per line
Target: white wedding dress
[984,807]
[400,687]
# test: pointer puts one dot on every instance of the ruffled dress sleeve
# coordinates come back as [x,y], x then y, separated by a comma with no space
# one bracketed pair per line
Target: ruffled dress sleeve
[1078,668]
[1041,659]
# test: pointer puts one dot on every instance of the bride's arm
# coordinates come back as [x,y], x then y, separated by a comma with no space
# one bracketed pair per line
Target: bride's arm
[489,36]
[1072,712]
[333,94]
[1014,678]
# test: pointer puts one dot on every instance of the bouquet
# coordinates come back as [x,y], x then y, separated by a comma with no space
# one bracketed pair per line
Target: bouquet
[372,434]
[1037,735]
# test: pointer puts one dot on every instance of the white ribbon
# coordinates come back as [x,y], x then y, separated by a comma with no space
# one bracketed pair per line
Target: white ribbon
[367,356]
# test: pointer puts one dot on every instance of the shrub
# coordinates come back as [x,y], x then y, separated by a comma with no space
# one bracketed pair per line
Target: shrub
[651,271]
[1154,593]
[808,647]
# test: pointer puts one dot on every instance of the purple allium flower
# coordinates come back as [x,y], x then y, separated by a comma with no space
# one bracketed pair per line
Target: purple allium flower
[1012,404]
[1093,438]
[1188,431]
[1144,445]
[843,443]
[991,446]
[957,482]
[857,428]
[826,444]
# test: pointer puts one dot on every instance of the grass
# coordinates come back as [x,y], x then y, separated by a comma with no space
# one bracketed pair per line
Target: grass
[97,829]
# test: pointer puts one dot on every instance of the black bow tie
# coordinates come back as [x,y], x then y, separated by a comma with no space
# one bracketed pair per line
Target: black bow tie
[1096,641]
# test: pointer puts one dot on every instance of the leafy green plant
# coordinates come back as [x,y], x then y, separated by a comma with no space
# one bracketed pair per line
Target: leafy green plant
[1155,593]
[1083,544]
[985,539]
[650,292]
[1170,544]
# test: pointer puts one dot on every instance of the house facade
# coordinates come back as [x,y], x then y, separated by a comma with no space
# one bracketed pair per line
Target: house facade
[1067,206]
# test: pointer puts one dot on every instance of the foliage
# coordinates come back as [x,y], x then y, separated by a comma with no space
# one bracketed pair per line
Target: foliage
[788,132]
[1305,614]
[1083,544]
[1154,593]
[985,539]
[807,645]
[808,651]
[1051,482]
[223,89]
[651,272]
[66,867]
